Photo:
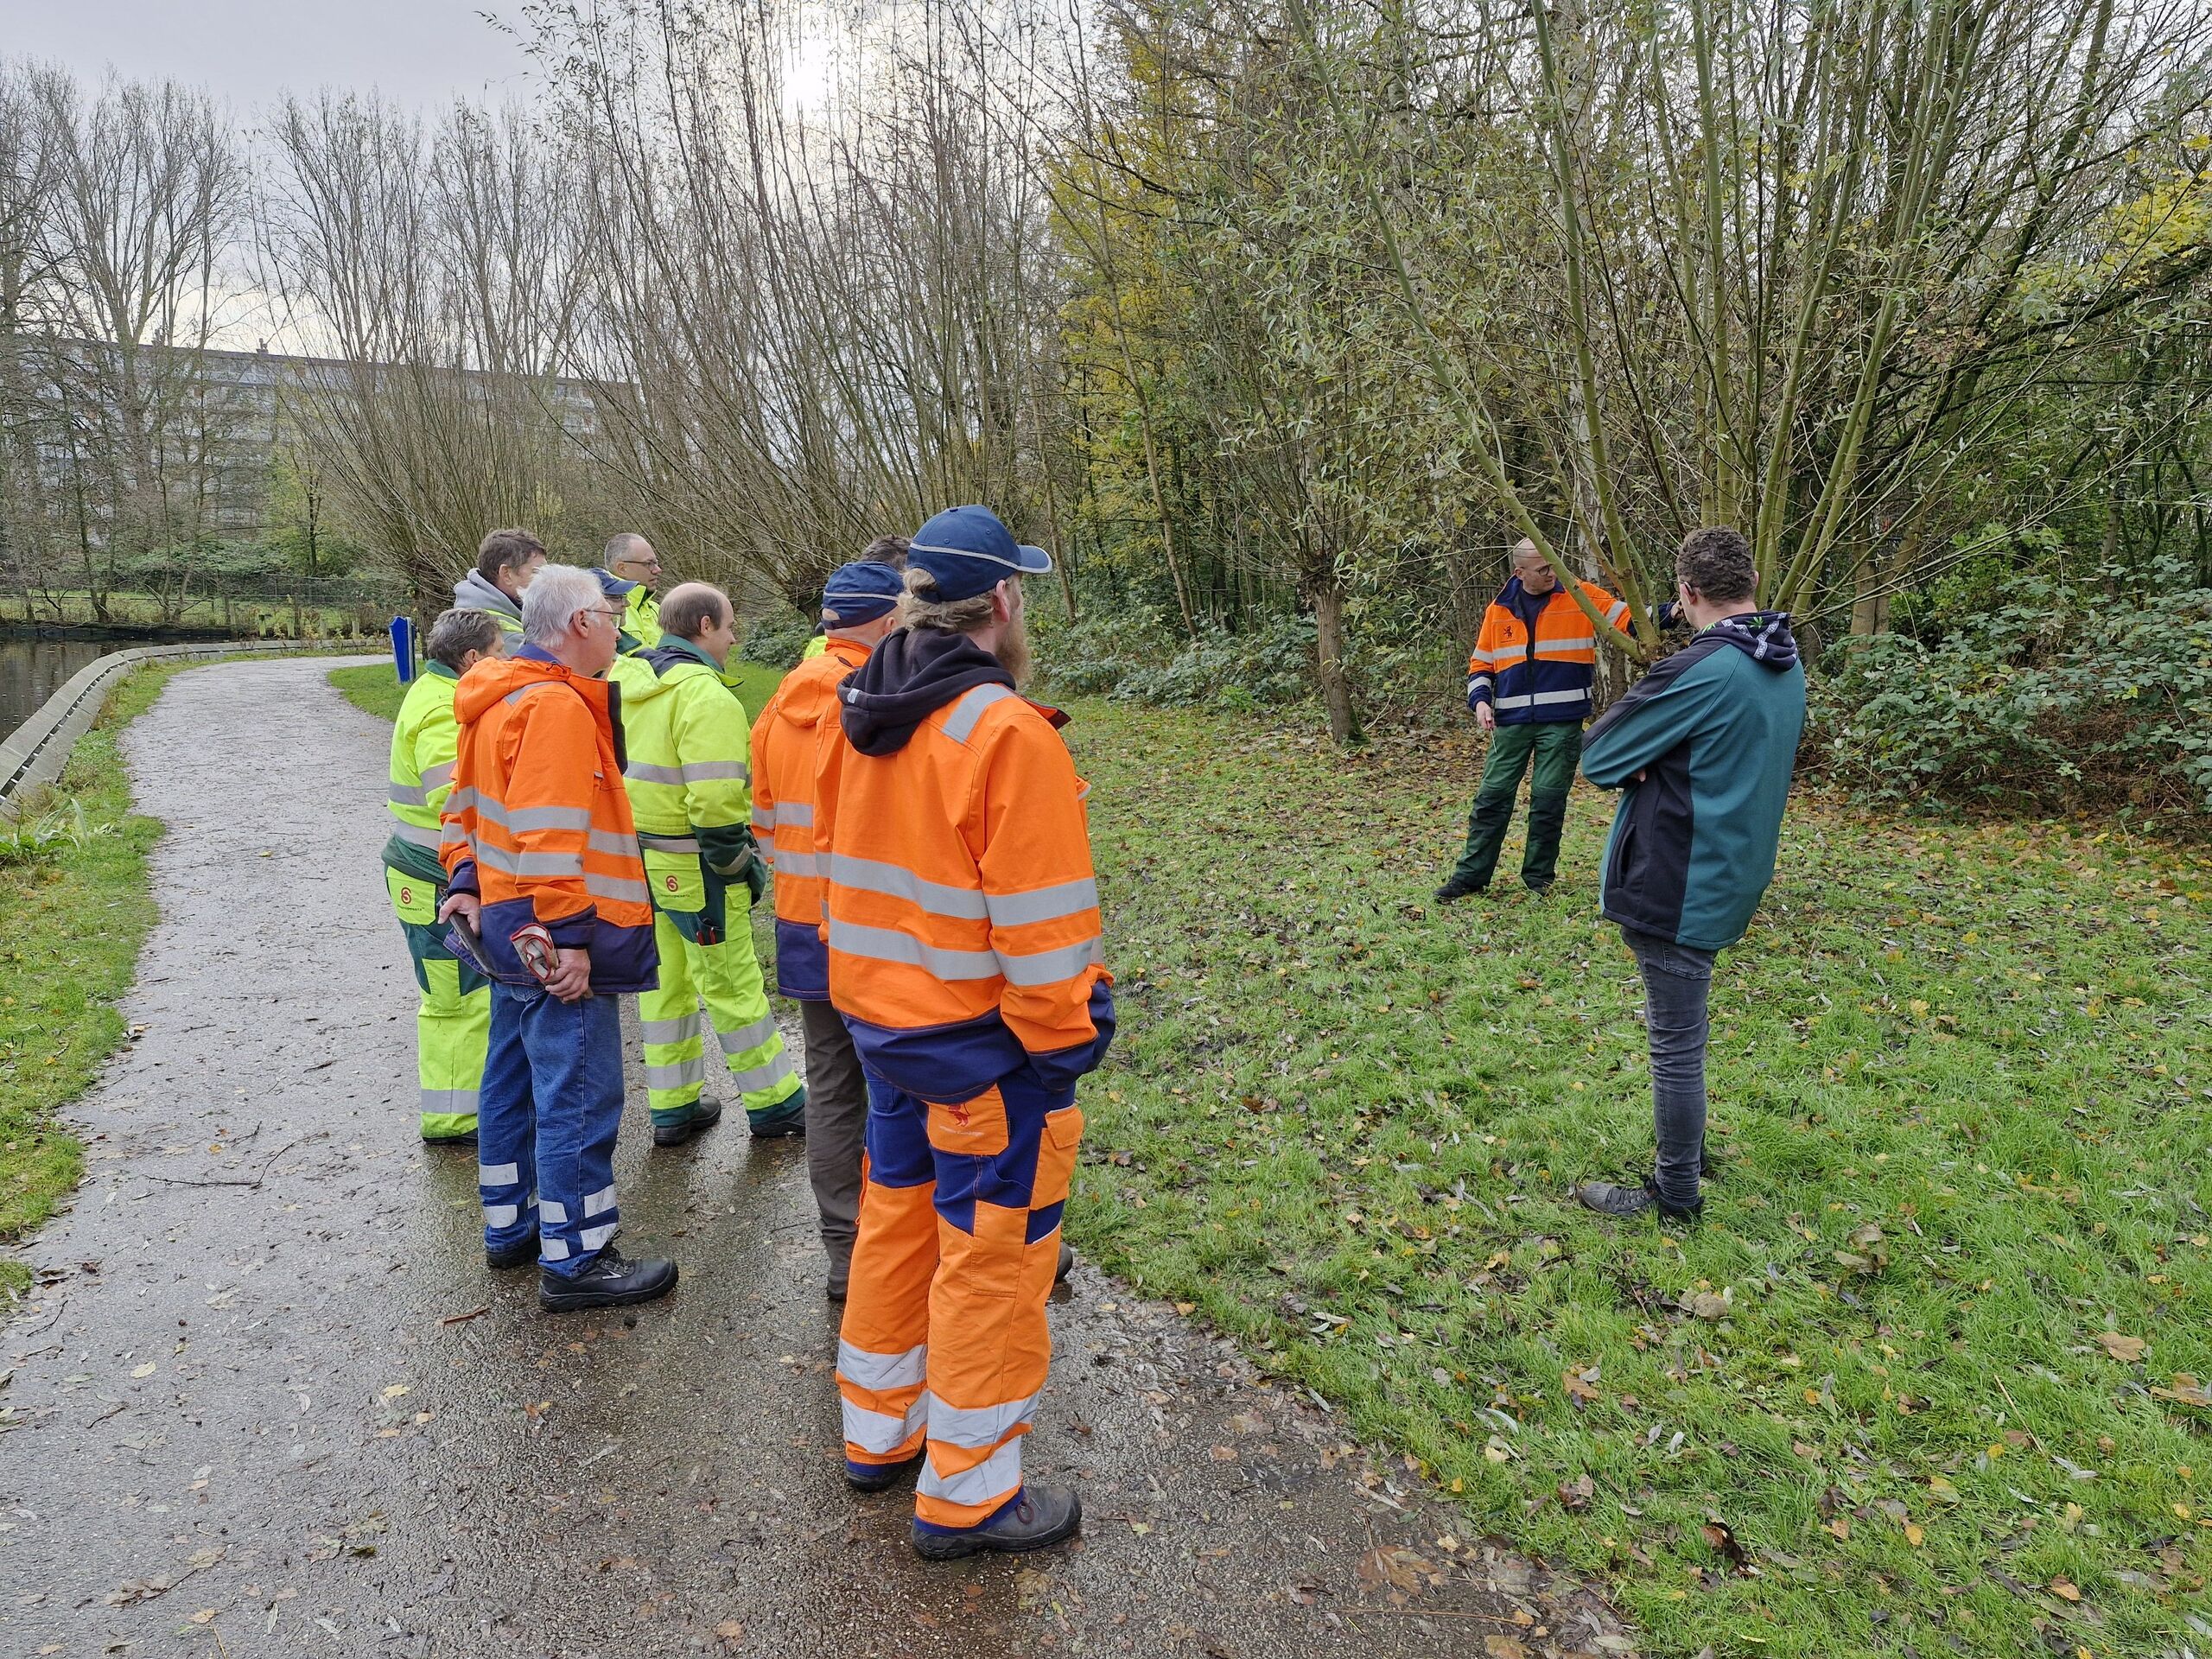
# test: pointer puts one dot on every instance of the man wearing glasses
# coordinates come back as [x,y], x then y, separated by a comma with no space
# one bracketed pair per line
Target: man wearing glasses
[629,572]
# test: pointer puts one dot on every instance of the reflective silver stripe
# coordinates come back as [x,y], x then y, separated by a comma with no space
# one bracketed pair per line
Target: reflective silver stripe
[668,843]
[460,798]
[554,865]
[760,1079]
[524,820]
[764,821]
[870,875]
[1042,904]
[1579,642]
[497,1174]
[682,1074]
[671,1031]
[599,1202]
[638,772]
[400,795]
[1484,655]
[879,1432]
[594,1237]
[978,1426]
[864,1369]
[1620,610]
[995,1477]
[883,945]
[416,836]
[608,887]
[749,1036]
[692,771]
[552,1248]
[552,1210]
[611,840]
[1049,967]
[795,812]
[790,863]
[450,1100]
[1480,679]
[969,709]
[441,773]
[450,833]
[1528,700]
[502,1215]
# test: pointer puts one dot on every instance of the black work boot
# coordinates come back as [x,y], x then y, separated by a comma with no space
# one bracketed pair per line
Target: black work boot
[882,1476]
[612,1280]
[1042,1516]
[703,1115]
[1067,1263]
[1455,888]
[1626,1203]
[840,1274]
[512,1256]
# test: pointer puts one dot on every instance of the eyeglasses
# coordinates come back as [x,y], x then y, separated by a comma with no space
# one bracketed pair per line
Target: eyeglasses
[601,610]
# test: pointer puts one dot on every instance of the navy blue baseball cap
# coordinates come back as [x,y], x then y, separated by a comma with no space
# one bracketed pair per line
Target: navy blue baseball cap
[967,551]
[860,592]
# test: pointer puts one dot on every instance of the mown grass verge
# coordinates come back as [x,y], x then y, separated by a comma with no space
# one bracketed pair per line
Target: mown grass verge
[1929,1376]
[73,914]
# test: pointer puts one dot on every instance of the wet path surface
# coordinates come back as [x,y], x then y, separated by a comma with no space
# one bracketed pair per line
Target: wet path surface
[267,1399]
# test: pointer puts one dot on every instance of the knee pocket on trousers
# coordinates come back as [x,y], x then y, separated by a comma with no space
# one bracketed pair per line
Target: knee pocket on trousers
[974,1129]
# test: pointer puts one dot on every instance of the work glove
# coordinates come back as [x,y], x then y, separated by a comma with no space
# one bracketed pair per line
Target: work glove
[756,876]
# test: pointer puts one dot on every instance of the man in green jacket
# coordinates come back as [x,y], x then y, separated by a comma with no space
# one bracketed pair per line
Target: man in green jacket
[453,1021]
[689,773]
[1703,746]
[628,573]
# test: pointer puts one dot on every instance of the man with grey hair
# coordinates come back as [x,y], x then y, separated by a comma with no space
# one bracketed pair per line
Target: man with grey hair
[542,854]
[629,571]
[452,1019]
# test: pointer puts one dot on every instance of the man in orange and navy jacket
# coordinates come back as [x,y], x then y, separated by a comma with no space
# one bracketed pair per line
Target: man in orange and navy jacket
[963,938]
[1529,686]
[548,893]
[857,608]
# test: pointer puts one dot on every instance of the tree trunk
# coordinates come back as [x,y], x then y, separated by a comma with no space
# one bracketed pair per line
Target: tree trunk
[1329,641]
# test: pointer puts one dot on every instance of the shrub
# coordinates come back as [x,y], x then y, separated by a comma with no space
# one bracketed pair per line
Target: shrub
[775,640]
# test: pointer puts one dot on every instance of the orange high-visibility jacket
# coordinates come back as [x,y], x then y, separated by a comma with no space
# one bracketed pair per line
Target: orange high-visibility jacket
[962,918]
[538,824]
[1542,674]
[785,739]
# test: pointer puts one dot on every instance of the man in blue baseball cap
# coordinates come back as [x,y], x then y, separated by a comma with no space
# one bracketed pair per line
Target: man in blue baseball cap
[859,604]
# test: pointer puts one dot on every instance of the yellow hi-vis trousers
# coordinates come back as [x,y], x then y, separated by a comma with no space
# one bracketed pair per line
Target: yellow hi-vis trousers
[724,975]
[453,1020]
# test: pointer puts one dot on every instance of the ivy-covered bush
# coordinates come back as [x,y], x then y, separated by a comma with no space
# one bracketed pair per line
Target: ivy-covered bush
[777,639]
[1134,655]
[2048,695]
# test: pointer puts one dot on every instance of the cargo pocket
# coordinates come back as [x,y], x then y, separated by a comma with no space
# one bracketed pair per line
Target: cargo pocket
[414,899]
[974,1129]
[1056,1156]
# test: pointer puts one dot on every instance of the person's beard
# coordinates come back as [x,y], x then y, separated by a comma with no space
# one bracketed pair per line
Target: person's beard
[1013,651]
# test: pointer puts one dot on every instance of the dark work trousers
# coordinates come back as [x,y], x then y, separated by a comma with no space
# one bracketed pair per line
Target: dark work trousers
[1676,980]
[1555,746]
[837,1122]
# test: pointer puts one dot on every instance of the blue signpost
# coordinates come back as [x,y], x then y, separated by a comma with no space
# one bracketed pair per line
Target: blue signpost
[403,647]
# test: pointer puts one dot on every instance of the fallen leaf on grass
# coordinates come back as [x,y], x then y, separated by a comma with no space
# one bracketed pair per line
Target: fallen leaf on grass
[1580,1384]
[1706,1306]
[1913,1535]
[1722,1537]
[2066,1588]
[2126,1349]
[2186,1391]
[1577,1493]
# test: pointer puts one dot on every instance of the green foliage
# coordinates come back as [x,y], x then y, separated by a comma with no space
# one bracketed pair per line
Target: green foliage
[2036,693]
[1963,1082]
[36,839]
[777,641]
[1134,656]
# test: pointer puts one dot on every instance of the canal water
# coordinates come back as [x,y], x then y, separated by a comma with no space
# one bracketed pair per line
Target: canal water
[31,670]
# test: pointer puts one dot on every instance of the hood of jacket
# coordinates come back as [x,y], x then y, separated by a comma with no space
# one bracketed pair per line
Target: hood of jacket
[473,592]
[906,679]
[1763,635]
[809,696]
[495,677]
[649,674]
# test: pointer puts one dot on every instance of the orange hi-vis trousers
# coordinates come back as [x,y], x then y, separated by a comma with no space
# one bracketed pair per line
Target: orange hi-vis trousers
[945,1340]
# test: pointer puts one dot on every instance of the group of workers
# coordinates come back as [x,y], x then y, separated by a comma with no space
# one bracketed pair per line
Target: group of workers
[584,811]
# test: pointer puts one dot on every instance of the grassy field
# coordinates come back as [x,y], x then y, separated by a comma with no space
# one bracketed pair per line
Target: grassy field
[1929,1377]
[73,917]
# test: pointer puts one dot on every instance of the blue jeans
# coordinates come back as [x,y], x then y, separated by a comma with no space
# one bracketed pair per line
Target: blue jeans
[1676,980]
[546,1120]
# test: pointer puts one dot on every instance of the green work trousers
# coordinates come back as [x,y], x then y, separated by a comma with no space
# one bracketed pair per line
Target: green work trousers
[1555,747]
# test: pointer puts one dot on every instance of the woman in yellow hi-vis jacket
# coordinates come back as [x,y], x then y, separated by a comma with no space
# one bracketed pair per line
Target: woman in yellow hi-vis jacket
[452,1020]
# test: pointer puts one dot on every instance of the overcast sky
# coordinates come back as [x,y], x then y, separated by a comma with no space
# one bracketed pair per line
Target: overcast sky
[420,52]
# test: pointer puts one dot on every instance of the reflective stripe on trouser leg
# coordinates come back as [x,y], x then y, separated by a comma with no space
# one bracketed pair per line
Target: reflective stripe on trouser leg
[882,1347]
[737,1003]
[574,1050]
[452,1029]
[1003,1161]
[675,1029]
[507,1131]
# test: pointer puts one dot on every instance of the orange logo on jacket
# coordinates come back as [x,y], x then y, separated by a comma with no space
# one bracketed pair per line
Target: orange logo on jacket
[407,895]
[668,882]
[959,1114]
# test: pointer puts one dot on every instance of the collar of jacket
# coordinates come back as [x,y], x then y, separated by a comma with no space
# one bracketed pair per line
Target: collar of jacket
[434,666]
[673,650]
[907,679]
[849,651]
[1526,605]
[500,676]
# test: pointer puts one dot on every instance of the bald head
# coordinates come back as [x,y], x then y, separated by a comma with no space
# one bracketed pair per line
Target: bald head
[691,607]
[1533,569]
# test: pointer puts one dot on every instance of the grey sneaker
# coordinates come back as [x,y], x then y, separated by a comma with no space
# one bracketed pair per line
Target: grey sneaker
[1626,1203]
